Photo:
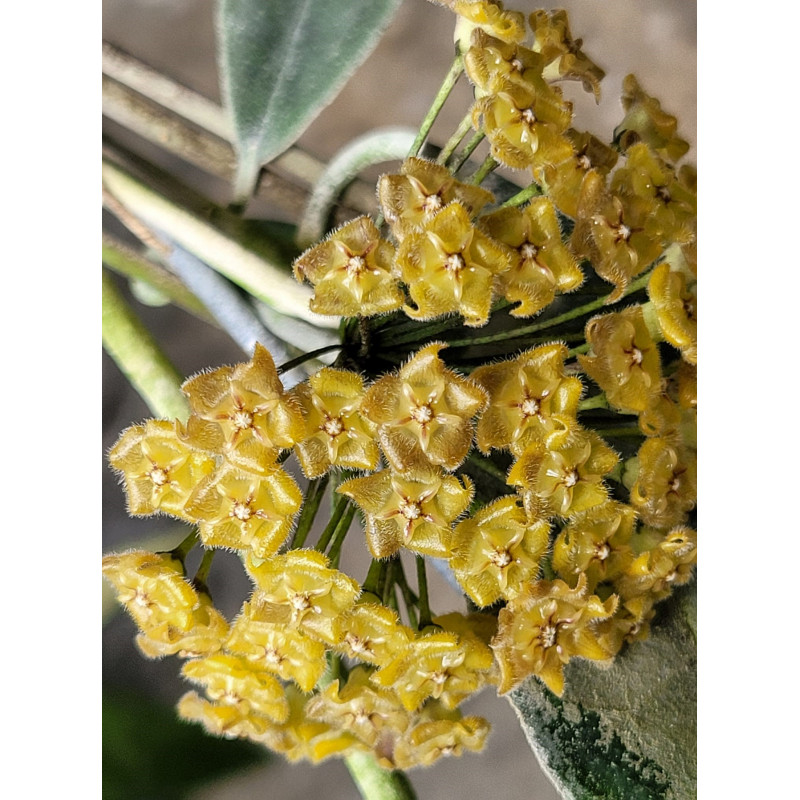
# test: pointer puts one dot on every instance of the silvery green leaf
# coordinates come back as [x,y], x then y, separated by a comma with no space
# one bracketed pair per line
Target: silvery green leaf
[282,61]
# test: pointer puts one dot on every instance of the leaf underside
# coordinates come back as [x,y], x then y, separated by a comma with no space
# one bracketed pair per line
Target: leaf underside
[282,61]
[628,732]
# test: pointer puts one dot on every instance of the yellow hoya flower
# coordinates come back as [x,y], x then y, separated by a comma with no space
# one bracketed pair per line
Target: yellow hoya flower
[449,267]
[337,434]
[666,563]
[439,732]
[286,652]
[302,737]
[235,681]
[540,263]
[595,543]
[442,665]
[564,57]
[624,362]
[614,233]
[153,589]
[423,188]
[247,402]
[300,590]
[415,512]
[531,399]
[665,489]
[351,272]
[567,480]
[525,125]
[646,121]
[246,511]
[545,626]
[490,16]
[424,413]
[562,182]
[493,64]
[676,309]
[220,719]
[374,715]
[371,632]
[672,204]
[205,636]
[497,550]
[158,468]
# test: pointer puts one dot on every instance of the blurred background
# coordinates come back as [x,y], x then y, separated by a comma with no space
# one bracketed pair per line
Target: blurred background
[147,753]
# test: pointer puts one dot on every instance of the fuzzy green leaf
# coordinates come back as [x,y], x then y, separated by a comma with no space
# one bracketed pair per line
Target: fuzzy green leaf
[282,61]
[628,732]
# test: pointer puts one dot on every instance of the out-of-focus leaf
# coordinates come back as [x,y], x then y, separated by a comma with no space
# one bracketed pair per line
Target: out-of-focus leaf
[628,732]
[282,61]
[149,754]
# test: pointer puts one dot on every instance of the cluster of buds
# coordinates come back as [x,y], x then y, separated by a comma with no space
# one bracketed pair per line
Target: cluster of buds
[581,536]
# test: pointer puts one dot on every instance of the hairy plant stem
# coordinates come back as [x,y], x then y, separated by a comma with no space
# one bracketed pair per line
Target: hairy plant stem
[573,313]
[311,501]
[410,600]
[182,550]
[341,532]
[488,166]
[376,783]
[139,357]
[372,581]
[453,142]
[464,155]
[339,507]
[453,74]
[296,362]
[521,197]
[424,604]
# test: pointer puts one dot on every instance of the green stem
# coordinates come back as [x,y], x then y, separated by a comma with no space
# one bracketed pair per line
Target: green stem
[633,430]
[409,598]
[201,577]
[424,605]
[521,197]
[389,598]
[579,350]
[554,321]
[372,583]
[139,357]
[341,532]
[182,550]
[376,783]
[311,500]
[488,466]
[296,362]
[597,401]
[489,165]
[127,262]
[339,506]
[464,155]
[449,82]
[453,141]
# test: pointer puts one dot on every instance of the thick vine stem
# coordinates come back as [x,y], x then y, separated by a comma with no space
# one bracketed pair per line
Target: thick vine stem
[376,783]
[139,357]
[375,147]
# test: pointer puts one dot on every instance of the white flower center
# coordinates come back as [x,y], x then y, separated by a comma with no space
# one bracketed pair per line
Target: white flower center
[530,407]
[242,419]
[571,478]
[431,203]
[500,558]
[159,476]
[454,263]
[410,510]
[333,426]
[355,265]
[241,511]
[548,635]
[422,414]
[529,116]
[529,251]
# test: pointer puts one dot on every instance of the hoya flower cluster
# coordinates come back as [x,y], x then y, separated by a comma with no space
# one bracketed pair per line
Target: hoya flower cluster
[554,478]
